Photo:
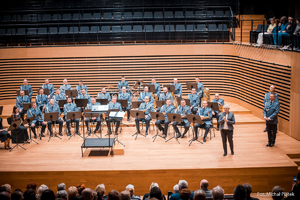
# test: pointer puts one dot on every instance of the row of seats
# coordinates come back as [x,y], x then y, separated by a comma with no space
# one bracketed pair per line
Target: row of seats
[114,29]
[115,16]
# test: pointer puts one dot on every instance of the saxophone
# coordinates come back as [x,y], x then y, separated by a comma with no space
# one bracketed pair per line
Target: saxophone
[206,95]
[221,108]
[155,97]
[175,103]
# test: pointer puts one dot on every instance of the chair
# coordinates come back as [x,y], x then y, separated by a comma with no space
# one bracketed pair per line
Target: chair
[84,29]
[137,15]
[210,128]
[126,28]
[219,13]
[63,30]
[2,32]
[6,18]
[76,17]
[96,16]
[87,16]
[227,13]
[20,31]
[148,28]
[158,28]
[27,18]
[209,14]
[31,31]
[169,15]
[169,28]
[137,28]
[127,15]
[180,28]
[105,29]
[222,27]
[179,14]
[16,18]
[46,17]
[66,17]
[116,29]
[190,27]
[107,16]
[189,14]
[200,14]
[212,27]
[95,29]
[117,15]
[158,15]
[43,31]
[74,30]
[11,31]
[201,27]
[53,30]
[148,15]
[56,17]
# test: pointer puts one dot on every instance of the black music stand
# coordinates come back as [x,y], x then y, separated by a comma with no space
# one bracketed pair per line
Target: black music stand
[177,118]
[82,103]
[26,92]
[1,109]
[116,116]
[138,84]
[61,103]
[137,114]
[123,103]
[187,101]
[52,116]
[102,101]
[71,93]
[191,85]
[46,91]
[214,106]
[29,120]
[150,87]
[14,126]
[171,88]
[26,106]
[136,104]
[157,116]
[160,103]
[192,119]
[73,116]
[90,114]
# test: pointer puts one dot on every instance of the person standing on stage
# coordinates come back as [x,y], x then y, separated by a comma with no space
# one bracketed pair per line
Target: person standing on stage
[166,108]
[144,94]
[104,95]
[267,97]
[54,107]
[194,101]
[65,86]
[146,107]
[126,96]
[81,86]
[113,105]
[50,88]
[270,114]
[183,110]
[226,121]
[178,88]
[156,85]
[215,114]
[123,83]
[206,115]
[27,87]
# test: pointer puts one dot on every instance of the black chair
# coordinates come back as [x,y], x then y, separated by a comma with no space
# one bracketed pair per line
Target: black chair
[27,18]
[46,17]
[94,34]
[66,17]
[137,31]
[148,15]
[189,14]
[158,15]
[56,17]
[127,33]
[107,16]
[87,16]
[200,14]
[209,14]
[179,14]
[116,29]
[96,16]
[169,15]
[219,13]
[137,15]
[127,15]
[76,17]
[6,18]
[117,15]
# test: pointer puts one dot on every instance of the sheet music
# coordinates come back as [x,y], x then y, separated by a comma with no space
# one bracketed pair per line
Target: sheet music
[100,108]
[117,114]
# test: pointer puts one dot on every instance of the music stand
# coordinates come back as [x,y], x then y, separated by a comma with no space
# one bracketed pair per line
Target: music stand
[123,103]
[171,88]
[150,87]
[14,126]
[71,93]
[61,103]
[102,101]
[1,109]
[191,85]
[26,92]
[82,103]
[26,106]
[138,83]
[157,116]
[136,104]
[160,103]
[29,120]
[52,116]
[137,114]
[46,91]
[177,118]
[192,119]
[214,106]
[73,116]
[187,101]
[116,114]
[90,115]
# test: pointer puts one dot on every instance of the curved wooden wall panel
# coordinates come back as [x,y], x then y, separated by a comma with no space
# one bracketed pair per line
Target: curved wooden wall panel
[229,75]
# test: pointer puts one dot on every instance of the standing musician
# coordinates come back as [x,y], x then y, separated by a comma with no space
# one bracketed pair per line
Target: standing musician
[27,87]
[41,99]
[200,89]
[113,105]
[156,85]
[65,86]
[19,102]
[267,97]
[39,119]
[178,87]
[146,107]
[83,95]
[50,88]
[183,110]
[71,107]
[104,95]
[81,86]
[270,114]
[206,115]
[87,119]
[54,107]
[194,100]
[166,108]
[126,96]
[215,114]
[122,83]
[144,94]
[226,121]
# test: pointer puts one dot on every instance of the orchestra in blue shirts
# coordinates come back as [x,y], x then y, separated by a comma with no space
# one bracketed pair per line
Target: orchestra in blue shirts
[71,107]
[194,101]
[178,88]
[144,94]
[53,107]
[48,86]
[104,95]
[113,105]
[41,100]
[123,83]
[166,108]
[81,86]
[183,110]
[22,98]
[125,96]
[34,111]
[146,107]
[65,86]
[97,119]
[27,87]
[206,115]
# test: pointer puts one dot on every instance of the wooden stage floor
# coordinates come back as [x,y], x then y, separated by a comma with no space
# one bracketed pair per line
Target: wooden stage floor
[145,161]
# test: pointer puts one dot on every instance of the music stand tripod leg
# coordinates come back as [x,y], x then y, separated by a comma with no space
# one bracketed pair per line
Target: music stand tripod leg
[116,135]
[55,134]
[192,140]
[17,145]
[173,137]
[155,136]
[30,139]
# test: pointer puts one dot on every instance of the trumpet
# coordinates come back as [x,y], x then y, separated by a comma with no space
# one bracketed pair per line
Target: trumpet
[221,108]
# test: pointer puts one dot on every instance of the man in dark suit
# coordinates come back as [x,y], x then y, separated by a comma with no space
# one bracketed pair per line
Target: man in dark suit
[182,184]
[249,191]
[226,121]
[204,187]
[270,114]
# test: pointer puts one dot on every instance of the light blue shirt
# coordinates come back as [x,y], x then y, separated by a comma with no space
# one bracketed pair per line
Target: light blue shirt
[267,97]
[41,100]
[54,108]
[28,87]
[37,113]
[167,109]
[148,107]
[20,100]
[178,88]
[69,107]
[78,88]
[125,96]
[86,96]
[200,89]
[144,94]
[194,100]
[104,96]
[57,97]
[163,96]
[157,88]
[206,112]
[64,87]
[50,88]
[123,84]
[116,105]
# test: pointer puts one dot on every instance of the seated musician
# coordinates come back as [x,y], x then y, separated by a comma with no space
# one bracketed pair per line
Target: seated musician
[183,110]
[19,102]
[156,85]
[87,119]
[58,96]
[27,87]
[206,115]
[194,101]
[41,100]
[215,114]
[104,95]
[123,83]
[164,96]
[54,107]
[65,86]
[21,132]
[178,88]
[38,121]
[167,108]
[71,107]
[144,94]
[146,107]
[126,96]
[113,105]
[84,95]
[81,86]
[49,87]
[4,136]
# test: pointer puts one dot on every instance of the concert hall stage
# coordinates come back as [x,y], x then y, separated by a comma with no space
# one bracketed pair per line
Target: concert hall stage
[145,161]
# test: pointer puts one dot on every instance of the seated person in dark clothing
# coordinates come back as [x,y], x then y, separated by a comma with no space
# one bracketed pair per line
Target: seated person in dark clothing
[146,196]
[199,195]
[125,195]
[249,190]
[182,184]
[155,194]
[185,194]
[73,193]
[100,189]
[239,193]
[4,136]
[20,132]
[130,188]
[204,187]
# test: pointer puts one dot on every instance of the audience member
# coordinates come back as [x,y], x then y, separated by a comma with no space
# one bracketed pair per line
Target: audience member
[125,195]
[113,195]
[61,186]
[31,185]
[100,189]
[48,195]
[217,193]
[185,194]
[95,195]
[248,188]
[176,189]
[73,193]
[8,187]
[240,193]
[80,188]
[204,186]
[40,190]
[146,196]
[130,188]
[277,193]
[29,194]
[199,195]
[155,194]
[17,195]
[4,195]
[295,193]
[3,189]
[296,35]
[182,184]
[87,194]
[62,194]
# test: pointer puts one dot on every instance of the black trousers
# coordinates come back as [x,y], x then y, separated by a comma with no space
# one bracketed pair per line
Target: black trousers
[98,120]
[206,127]
[108,121]
[137,124]
[128,111]
[37,123]
[227,134]
[166,123]
[70,121]
[272,130]
[186,127]
[59,122]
